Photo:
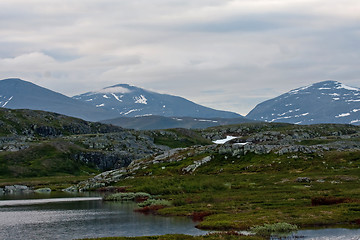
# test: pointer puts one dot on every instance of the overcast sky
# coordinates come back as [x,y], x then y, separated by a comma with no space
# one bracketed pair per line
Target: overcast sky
[229,55]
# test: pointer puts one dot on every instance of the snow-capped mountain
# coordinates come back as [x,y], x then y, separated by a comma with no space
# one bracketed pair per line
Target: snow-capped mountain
[131,101]
[323,102]
[18,94]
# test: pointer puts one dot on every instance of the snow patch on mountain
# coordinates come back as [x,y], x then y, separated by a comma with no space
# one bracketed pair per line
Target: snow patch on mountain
[222,141]
[324,102]
[343,115]
[132,110]
[347,87]
[296,91]
[140,99]
[115,89]
[116,97]
[7,101]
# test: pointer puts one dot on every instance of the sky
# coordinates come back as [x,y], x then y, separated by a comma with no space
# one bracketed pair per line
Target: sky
[224,54]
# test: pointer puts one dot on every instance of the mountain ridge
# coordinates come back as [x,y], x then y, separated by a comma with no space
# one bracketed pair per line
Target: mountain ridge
[160,122]
[19,94]
[124,99]
[132,101]
[323,102]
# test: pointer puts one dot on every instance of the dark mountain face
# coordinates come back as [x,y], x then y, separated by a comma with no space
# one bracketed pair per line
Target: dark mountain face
[130,101]
[160,122]
[323,102]
[19,94]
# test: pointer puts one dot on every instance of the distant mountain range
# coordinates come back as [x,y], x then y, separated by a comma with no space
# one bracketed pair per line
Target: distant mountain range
[323,102]
[18,94]
[131,101]
[132,107]
[108,103]
[160,122]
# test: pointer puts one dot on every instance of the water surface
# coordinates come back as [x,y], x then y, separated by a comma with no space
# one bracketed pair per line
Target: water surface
[38,216]
[73,218]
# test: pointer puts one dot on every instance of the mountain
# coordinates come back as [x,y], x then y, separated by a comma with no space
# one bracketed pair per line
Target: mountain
[131,101]
[161,122]
[18,94]
[323,102]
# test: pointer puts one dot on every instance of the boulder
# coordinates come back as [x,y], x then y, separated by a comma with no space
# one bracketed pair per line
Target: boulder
[43,190]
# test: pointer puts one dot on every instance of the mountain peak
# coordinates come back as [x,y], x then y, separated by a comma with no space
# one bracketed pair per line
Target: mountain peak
[323,102]
[324,85]
[16,93]
[131,101]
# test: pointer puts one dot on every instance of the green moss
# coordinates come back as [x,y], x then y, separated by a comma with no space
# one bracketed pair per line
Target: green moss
[179,138]
[238,193]
[126,196]
[280,229]
[46,159]
[155,202]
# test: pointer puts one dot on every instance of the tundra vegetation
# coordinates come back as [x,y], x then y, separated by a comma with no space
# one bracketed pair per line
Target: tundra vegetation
[270,174]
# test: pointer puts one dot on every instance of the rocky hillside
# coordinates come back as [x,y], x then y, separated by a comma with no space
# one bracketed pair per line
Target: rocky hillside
[131,101]
[38,143]
[257,175]
[33,123]
[323,102]
[280,140]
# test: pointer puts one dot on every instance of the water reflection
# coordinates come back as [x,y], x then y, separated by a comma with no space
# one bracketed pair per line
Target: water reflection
[77,217]
[81,219]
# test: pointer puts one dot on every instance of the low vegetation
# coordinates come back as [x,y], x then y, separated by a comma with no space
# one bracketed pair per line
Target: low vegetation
[312,182]
[275,229]
[178,138]
[231,193]
[45,159]
[127,196]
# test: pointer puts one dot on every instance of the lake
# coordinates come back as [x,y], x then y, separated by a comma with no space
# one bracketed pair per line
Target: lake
[87,216]
[71,218]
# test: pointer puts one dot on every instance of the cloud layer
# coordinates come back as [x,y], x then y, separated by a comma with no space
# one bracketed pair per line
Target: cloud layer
[225,54]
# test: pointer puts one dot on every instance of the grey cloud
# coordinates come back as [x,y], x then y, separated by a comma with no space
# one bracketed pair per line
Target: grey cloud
[226,54]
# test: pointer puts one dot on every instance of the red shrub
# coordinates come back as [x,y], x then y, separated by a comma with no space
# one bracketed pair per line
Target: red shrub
[199,216]
[149,209]
[316,201]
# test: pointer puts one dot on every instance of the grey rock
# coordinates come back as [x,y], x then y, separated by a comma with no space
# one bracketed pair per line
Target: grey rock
[191,168]
[21,187]
[43,190]
[303,179]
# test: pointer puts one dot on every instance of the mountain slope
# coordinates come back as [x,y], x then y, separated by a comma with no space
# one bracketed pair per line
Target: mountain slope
[160,122]
[130,101]
[323,102]
[18,94]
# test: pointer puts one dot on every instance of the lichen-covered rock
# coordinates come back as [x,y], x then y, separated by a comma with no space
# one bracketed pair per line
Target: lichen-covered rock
[43,190]
[303,179]
[191,168]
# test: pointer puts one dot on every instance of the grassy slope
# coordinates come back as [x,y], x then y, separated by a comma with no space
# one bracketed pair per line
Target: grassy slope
[49,158]
[50,154]
[179,138]
[238,193]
